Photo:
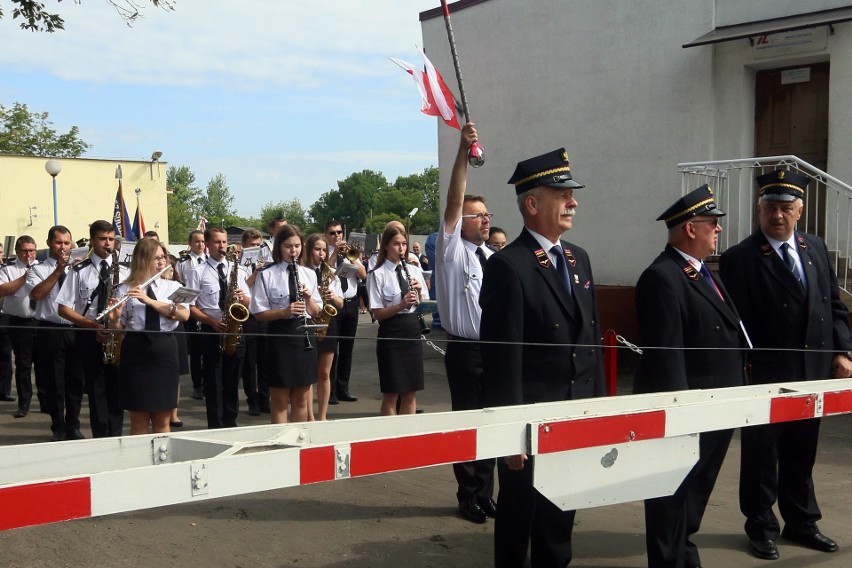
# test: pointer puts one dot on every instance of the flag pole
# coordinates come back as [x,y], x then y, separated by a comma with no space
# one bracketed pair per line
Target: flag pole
[475,154]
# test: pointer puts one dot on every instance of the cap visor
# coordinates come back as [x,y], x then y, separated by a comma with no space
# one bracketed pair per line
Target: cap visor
[569,183]
[778,197]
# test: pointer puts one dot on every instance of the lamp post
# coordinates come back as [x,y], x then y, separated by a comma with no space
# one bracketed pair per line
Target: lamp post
[53,168]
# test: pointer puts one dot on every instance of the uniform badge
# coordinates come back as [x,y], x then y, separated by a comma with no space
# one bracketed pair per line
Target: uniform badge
[564,156]
[576,278]
[781,174]
[690,272]
[543,259]
[569,256]
[587,285]
[766,249]
[709,190]
[802,243]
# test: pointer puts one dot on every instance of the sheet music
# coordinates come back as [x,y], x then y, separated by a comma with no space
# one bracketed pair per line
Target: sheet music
[184,295]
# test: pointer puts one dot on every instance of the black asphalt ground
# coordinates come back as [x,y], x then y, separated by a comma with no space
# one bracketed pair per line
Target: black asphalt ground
[391,520]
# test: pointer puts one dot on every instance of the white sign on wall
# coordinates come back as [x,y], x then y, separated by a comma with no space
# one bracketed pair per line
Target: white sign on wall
[795,41]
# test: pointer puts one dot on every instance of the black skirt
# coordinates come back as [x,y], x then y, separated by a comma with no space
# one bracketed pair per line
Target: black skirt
[400,357]
[287,363]
[329,342]
[149,371]
[183,349]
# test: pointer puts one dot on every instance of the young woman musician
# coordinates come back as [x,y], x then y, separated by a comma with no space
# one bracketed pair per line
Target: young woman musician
[286,295]
[180,333]
[148,367]
[393,298]
[316,258]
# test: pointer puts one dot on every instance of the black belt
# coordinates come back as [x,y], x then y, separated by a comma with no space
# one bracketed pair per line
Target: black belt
[51,324]
[19,318]
[352,299]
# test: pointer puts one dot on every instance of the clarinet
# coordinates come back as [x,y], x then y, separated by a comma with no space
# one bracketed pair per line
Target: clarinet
[299,298]
[424,329]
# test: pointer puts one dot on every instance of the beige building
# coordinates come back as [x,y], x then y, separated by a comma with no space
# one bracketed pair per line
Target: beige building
[85,192]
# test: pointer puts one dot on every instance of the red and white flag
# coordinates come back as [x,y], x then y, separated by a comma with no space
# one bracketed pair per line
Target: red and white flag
[437,98]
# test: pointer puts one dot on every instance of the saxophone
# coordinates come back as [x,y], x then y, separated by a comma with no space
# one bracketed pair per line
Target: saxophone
[236,313]
[112,345]
[328,311]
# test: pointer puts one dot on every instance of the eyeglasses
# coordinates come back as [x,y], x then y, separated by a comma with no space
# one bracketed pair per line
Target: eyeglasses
[335,232]
[479,216]
[160,258]
[714,221]
[27,251]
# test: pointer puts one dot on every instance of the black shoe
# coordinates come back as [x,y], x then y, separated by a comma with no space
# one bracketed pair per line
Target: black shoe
[74,435]
[197,394]
[815,540]
[57,437]
[254,409]
[472,512]
[22,411]
[764,549]
[418,411]
[176,423]
[346,396]
[488,506]
[332,400]
[264,406]
[7,398]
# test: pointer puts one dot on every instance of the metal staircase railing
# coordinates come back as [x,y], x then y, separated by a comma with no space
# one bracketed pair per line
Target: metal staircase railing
[828,203]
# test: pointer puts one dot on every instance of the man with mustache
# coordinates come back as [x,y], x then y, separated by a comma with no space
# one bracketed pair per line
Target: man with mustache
[540,340]
[786,290]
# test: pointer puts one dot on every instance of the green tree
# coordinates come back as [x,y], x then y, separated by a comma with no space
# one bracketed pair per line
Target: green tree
[352,202]
[182,202]
[37,19]
[217,203]
[377,224]
[293,211]
[28,133]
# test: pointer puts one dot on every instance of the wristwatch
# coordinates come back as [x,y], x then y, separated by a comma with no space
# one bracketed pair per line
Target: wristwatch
[848,355]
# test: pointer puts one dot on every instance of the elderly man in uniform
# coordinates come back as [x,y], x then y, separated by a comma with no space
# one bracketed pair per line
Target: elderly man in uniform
[693,339]
[540,343]
[786,290]
[459,261]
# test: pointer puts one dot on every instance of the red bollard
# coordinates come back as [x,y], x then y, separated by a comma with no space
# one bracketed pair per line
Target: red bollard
[610,353]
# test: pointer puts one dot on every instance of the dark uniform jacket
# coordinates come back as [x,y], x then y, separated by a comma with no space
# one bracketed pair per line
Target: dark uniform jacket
[779,313]
[676,307]
[524,304]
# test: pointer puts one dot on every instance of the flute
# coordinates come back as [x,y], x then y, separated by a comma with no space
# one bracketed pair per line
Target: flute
[126,295]
[424,329]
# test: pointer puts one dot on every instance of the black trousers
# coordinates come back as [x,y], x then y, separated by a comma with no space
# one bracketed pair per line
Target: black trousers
[463,362]
[55,356]
[347,327]
[193,341]
[670,521]
[22,334]
[777,463]
[526,519]
[255,382]
[5,356]
[221,380]
[103,389]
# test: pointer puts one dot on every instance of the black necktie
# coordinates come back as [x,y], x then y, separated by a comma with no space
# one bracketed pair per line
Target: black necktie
[562,267]
[403,283]
[103,278]
[480,254]
[344,282]
[152,318]
[223,287]
[705,272]
[791,264]
[318,270]
[62,279]
[198,260]
[291,282]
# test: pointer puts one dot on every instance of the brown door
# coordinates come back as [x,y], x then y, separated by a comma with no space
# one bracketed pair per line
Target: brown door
[791,117]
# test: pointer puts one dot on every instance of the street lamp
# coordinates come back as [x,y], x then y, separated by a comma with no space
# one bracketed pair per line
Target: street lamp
[53,168]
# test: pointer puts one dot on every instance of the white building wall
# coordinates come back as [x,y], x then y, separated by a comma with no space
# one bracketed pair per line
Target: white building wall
[610,81]
[730,12]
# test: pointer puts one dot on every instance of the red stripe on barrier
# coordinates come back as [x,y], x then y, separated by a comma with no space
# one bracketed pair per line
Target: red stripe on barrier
[43,503]
[592,432]
[837,402]
[316,465]
[409,452]
[788,408]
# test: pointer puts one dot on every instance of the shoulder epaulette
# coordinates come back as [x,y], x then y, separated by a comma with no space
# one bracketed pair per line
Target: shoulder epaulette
[265,266]
[83,264]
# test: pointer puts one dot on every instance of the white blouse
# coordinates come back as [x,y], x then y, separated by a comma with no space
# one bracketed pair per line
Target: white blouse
[383,286]
[133,311]
[271,289]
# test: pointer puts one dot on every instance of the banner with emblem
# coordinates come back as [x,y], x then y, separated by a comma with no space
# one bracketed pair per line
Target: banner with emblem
[121,218]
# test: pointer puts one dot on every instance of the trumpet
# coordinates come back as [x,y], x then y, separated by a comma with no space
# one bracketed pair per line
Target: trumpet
[424,329]
[349,251]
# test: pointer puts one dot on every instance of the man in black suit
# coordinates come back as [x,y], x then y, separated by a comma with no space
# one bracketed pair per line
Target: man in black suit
[692,338]
[540,343]
[783,284]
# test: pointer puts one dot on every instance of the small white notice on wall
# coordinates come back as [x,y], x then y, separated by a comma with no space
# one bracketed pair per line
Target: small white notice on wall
[790,76]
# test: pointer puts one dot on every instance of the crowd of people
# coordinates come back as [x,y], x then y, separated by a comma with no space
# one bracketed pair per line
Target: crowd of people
[522,325]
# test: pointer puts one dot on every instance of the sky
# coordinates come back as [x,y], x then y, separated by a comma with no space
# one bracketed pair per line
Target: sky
[283,97]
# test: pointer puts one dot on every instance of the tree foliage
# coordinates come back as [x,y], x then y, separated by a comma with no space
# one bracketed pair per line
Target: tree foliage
[28,133]
[352,202]
[217,203]
[293,211]
[36,18]
[182,202]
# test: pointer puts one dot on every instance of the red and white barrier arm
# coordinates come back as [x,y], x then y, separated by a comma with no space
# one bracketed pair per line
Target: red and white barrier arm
[598,451]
